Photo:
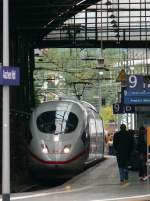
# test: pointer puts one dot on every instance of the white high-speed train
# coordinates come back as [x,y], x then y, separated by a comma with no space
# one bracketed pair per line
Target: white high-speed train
[65,136]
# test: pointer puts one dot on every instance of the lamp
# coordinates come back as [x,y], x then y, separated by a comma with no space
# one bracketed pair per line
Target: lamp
[116,30]
[132,68]
[117,35]
[108,3]
[112,16]
[101,72]
[110,10]
[113,21]
[114,25]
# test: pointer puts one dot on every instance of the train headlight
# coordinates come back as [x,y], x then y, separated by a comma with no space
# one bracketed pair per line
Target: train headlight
[44,148]
[67,149]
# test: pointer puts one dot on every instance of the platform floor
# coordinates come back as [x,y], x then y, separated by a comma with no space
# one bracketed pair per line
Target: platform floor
[99,183]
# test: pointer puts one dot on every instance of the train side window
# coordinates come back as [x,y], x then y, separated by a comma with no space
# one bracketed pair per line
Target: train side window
[99,127]
[92,127]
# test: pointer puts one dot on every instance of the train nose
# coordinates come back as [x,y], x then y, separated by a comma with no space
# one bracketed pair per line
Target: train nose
[56,148]
[59,150]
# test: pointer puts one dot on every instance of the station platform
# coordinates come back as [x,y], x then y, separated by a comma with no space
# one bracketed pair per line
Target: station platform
[98,183]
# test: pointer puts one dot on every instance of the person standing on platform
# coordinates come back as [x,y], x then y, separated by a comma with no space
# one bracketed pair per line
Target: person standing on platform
[123,146]
[110,145]
[142,149]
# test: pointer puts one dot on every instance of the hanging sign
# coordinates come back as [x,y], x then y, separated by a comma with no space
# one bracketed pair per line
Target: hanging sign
[137,91]
[120,108]
[129,109]
[9,76]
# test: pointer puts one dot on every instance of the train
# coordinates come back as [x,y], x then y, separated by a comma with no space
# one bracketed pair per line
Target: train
[66,136]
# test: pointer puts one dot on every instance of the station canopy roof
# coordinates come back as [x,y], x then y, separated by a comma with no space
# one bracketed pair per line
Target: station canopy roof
[35,18]
[52,21]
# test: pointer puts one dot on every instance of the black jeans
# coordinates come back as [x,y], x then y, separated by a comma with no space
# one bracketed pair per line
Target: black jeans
[123,167]
[142,166]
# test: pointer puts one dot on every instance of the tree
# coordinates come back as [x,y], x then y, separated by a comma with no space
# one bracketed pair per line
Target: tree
[107,115]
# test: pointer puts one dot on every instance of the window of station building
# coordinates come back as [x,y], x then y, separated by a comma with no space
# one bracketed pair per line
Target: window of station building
[57,122]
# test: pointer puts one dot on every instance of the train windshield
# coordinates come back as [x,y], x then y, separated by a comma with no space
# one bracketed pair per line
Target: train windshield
[57,122]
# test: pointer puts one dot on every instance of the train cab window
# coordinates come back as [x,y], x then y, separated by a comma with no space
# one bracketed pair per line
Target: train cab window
[57,122]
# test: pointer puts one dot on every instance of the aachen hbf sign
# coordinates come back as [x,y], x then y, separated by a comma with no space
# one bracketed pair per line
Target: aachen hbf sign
[9,76]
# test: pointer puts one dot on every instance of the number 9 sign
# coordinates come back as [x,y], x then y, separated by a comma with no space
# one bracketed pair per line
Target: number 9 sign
[117,108]
[132,81]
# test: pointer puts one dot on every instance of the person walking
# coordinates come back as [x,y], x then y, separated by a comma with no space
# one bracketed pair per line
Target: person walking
[123,146]
[142,149]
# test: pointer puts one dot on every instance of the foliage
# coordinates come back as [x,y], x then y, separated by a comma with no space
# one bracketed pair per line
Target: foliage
[107,115]
[113,55]
[78,65]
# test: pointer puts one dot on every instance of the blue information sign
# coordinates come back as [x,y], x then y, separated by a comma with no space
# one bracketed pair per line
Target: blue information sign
[137,91]
[137,100]
[9,76]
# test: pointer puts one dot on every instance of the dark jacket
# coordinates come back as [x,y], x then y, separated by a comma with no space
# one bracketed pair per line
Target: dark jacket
[123,146]
[142,144]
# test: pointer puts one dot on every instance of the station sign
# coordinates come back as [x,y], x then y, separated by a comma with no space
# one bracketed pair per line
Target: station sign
[136,84]
[136,100]
[129,109]
[120,108]
[9,76]
[137,91]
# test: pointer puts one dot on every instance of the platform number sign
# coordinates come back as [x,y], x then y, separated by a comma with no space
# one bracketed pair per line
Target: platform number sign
[135,83]
[132,81]
[118,108]
[137,91]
